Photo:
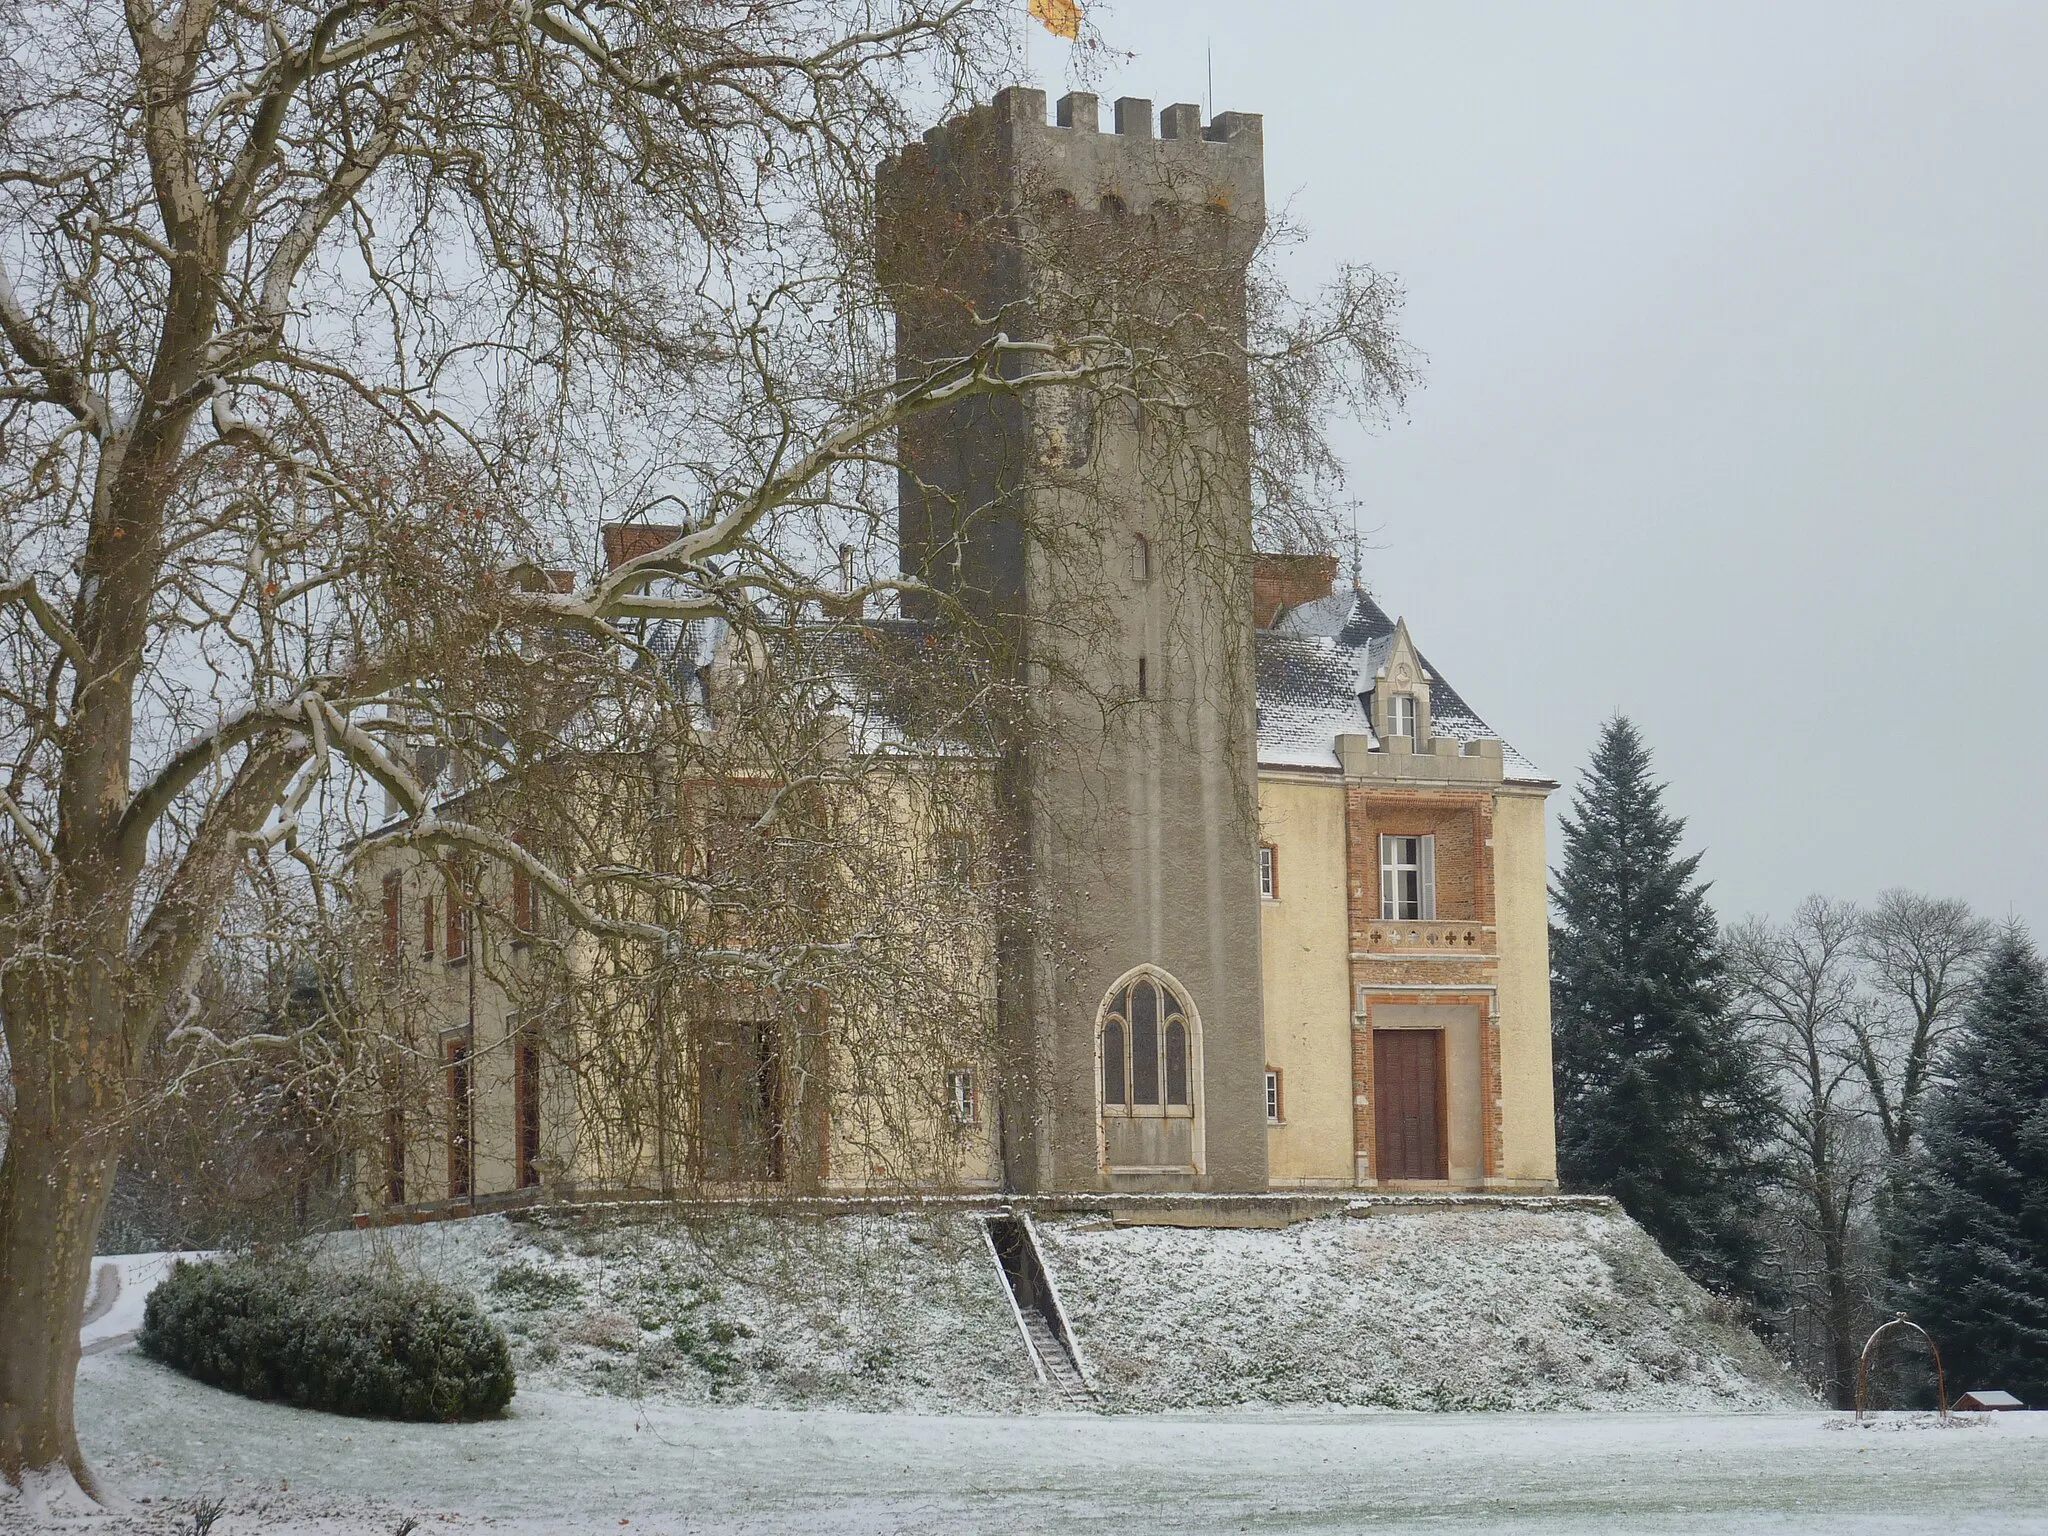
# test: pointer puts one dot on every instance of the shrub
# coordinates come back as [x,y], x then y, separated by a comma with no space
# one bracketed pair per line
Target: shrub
[381,1348]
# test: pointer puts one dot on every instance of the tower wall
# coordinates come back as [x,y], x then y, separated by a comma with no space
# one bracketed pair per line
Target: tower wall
[1130,774]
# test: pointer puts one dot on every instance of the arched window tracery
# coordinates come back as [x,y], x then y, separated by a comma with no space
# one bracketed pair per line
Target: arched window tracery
[1147,1051]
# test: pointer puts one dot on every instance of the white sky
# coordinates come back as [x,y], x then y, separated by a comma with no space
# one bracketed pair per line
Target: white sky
[1736,317]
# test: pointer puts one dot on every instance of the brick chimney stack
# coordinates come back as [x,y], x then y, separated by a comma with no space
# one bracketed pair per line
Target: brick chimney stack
[629,541]
[1281,582]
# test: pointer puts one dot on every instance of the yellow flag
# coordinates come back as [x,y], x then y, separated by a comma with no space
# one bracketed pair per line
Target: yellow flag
[1062,18]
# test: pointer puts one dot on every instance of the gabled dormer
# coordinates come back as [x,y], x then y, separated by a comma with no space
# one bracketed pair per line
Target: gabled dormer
[1396,693]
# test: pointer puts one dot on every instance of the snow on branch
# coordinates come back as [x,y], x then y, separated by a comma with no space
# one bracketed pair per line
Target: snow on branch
[978,373]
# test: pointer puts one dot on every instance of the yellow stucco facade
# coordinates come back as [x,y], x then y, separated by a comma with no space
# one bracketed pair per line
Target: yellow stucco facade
[1304,958]
[1403,980]
[1326,1000]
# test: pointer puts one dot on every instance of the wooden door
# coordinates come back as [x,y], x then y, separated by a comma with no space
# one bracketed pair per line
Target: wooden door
[1408,1077]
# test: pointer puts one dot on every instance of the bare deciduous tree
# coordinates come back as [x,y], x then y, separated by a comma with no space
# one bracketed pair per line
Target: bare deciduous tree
[329,334]
[306,311]
[1922,954]
[1797,987]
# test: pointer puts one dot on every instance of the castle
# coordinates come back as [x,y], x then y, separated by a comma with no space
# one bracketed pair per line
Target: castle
[1280,919]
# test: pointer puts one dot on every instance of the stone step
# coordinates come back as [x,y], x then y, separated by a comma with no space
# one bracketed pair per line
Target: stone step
[1060,1371]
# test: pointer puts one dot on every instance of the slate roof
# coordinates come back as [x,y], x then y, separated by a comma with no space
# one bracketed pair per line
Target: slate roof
[895,681]
[1315,667]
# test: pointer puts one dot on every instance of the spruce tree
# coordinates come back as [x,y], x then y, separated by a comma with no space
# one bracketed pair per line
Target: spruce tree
[1980,1228]
[1660,1103]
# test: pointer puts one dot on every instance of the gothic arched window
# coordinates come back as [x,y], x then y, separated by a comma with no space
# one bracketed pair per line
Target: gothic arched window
[1146,1051]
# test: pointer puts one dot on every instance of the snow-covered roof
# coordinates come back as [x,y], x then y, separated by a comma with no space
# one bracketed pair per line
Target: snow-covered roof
[1317,664]
[898,683]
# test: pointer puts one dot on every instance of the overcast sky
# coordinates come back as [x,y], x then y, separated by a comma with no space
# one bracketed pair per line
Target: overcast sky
[1736,319]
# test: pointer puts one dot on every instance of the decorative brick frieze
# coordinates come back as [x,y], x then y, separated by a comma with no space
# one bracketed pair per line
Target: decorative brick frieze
[1460,938]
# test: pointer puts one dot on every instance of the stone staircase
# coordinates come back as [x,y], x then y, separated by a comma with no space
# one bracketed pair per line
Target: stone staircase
[1037,1306]
[1061,1374]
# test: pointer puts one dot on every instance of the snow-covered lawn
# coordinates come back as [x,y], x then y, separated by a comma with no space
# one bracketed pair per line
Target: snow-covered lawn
[568,1462]
[1450,1309]
[586,1450]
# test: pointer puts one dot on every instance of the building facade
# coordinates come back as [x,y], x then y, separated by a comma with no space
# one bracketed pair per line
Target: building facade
[1281,918]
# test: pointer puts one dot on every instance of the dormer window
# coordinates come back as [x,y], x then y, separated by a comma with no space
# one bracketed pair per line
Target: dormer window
[1401,715]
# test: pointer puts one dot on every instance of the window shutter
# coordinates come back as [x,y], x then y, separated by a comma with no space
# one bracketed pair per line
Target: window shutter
[453,903]
[1388,895]
[1429,879]
[393,936]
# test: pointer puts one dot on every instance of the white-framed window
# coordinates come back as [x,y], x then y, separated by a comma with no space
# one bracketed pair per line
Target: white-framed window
[962,1098]
[1401,715]
[1407,879]
[1269,872]
[1273,1105]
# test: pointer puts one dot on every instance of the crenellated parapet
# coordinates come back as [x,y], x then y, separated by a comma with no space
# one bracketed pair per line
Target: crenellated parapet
[1009,147]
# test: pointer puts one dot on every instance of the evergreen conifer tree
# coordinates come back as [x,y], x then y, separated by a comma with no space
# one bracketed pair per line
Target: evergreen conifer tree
[1660,1102]
[1980,1228]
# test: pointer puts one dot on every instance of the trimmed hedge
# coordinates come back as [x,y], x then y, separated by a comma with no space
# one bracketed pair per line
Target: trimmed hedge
[379,1348]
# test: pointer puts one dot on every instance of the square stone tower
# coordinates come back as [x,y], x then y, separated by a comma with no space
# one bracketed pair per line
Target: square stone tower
[1106,542]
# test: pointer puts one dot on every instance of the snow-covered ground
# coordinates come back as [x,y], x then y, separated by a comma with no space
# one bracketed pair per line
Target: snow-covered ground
[856,1311]
[117,1313]
[1517,1308]
[1429,1310]
[574,1463]
[618,1430]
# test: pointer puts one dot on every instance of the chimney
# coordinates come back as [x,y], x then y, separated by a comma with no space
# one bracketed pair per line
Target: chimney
[1281,582]
[852,605]
[629,541]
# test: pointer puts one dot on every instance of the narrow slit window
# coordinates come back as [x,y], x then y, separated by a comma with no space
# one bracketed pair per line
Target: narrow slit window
[428,930]
[1141,558]
[1272,1095]
[1141,677]
[1269,872]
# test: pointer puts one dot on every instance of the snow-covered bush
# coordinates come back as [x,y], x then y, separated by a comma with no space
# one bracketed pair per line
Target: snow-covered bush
[348,1343]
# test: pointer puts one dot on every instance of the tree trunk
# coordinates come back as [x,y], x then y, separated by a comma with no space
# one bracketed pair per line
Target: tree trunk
[1841,1315]
[54,1184]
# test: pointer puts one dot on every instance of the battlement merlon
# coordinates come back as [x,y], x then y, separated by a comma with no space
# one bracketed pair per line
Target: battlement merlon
[1000,151]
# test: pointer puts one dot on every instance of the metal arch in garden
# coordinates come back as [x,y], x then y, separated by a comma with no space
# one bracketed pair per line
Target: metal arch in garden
[1898,1320]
